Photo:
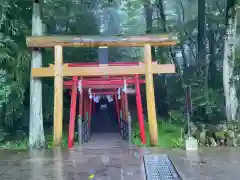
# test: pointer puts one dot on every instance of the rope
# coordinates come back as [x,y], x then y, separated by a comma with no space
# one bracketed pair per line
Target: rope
[119,93]
[96,98]
[124,89]
[80,86]
[109,98]
[90,93]
[67,78]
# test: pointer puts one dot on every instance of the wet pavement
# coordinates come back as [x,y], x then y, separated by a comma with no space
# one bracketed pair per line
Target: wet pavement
[207,164]
[110,159]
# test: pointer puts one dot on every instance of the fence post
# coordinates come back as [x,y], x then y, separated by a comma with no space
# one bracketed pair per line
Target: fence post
[188,107]
[129,130]
[87,126]
[120,114]
[120,127]
[121,124]
[80,141]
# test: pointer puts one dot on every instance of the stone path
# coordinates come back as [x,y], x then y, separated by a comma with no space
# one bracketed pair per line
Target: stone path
[111,160]
[207,164]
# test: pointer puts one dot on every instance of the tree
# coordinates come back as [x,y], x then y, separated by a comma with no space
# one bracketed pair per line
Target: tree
[14,63]
[229,84]
[36,131]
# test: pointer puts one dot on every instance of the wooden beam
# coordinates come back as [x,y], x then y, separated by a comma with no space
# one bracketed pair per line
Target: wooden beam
[43,72]
[151,109]
[58,96]
[104,82]
[104,70]
[110,41]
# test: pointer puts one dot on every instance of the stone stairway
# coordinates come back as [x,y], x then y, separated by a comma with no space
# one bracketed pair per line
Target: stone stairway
[106,141]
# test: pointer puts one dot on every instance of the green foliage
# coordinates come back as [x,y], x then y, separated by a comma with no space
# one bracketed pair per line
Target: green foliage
[178,143]
[49,139]
[22,145]
[176,117]
[20,141]
[207,104]
[13,83]
[169,135]
[4,89]
[14,63]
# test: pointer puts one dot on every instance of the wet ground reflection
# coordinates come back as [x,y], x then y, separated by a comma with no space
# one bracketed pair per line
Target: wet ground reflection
[207,164]
[115,163]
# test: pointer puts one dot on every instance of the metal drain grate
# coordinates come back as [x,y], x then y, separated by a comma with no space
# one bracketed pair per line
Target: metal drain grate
[159,167]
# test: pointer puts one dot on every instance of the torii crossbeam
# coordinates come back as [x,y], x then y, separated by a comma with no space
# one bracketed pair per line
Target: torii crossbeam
[59,70]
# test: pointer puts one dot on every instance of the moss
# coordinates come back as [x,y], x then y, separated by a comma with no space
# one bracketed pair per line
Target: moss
[49,140]
[221,134]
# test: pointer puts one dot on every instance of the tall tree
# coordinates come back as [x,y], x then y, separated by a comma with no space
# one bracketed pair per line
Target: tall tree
[231,101]
[36,131]
[203,45]
[161,95]
[201,31]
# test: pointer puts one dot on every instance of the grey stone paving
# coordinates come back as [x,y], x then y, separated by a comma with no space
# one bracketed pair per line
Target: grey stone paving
[207,164]
[111,160]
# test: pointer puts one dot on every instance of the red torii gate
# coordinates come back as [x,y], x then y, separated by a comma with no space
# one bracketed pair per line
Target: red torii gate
[103,86]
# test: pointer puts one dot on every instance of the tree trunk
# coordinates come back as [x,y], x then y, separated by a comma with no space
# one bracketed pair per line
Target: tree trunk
[203,47]
[36,131]
[161,91]
[201,33]
[231,101]
[213,74]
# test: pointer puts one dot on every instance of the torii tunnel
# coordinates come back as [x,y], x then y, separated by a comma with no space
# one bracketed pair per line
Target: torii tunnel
[90,89]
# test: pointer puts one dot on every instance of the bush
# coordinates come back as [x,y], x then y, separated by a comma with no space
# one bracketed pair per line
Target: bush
[169,135]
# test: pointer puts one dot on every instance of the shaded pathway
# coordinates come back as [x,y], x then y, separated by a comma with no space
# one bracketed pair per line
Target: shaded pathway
[106,141]
[104,120]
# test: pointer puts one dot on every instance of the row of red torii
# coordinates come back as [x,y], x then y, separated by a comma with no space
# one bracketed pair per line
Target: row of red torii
[91,89]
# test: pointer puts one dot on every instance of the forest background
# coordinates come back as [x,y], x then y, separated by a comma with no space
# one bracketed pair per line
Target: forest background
[207,58]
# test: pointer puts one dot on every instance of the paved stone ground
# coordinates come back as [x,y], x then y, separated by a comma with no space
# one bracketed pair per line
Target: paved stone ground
[111,160]
[207,164]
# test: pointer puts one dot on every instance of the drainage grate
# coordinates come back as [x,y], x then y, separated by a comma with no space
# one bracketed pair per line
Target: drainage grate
[159,167]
